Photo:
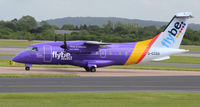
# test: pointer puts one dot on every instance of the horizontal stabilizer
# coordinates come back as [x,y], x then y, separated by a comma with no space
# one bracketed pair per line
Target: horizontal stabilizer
[162,58]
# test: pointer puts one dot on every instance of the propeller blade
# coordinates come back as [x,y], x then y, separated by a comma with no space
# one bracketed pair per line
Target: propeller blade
[55,37]
[65,44]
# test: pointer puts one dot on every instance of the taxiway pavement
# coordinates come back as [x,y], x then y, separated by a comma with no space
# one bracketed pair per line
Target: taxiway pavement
[102,84]
[105,80]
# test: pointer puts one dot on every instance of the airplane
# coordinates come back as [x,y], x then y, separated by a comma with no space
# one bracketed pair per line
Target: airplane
[92,54]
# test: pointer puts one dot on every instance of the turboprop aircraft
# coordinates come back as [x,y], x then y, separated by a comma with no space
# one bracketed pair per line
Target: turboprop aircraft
[92,54]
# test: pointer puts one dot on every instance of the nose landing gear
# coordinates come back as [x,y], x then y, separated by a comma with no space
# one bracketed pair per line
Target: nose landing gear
[27,67]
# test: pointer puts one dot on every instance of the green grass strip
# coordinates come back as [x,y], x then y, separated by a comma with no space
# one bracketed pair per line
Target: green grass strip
[121,99]
[190,47]
[19,43]
[7,54]
[183,59]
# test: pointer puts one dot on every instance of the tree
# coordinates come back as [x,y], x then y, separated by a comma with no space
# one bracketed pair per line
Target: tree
[26,23]
[45,25]
[68,27]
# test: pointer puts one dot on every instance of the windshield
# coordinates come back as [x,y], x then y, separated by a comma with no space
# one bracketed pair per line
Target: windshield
[31,49]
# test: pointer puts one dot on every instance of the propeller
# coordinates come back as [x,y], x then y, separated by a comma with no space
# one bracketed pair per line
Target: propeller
[65,44]
[55,37]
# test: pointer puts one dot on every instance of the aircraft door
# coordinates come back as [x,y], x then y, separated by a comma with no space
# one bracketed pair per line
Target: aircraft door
[47,53]
[102,53]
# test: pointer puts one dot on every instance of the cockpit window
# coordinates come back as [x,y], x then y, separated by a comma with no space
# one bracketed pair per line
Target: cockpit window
[31,49]
[34,49]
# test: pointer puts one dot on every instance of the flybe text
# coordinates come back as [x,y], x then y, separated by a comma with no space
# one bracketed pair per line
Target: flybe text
[61,55]
[173,33]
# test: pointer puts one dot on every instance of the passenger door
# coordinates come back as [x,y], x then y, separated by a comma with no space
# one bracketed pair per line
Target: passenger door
[47,53]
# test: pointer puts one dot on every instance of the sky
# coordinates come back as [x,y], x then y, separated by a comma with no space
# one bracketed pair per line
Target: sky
[157,10]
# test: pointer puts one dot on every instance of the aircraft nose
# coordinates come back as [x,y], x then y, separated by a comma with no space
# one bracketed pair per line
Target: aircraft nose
[16,59]
[21,57]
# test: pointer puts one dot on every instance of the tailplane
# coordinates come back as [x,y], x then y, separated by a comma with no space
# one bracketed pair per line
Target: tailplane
[173,34]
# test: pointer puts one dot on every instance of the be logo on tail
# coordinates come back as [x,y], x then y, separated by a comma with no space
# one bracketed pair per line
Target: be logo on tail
[173,33]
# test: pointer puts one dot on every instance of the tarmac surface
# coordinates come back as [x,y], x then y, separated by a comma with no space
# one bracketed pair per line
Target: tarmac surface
[102,84]
[105,80]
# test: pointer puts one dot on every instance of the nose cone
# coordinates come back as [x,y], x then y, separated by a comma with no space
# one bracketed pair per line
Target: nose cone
[21,57]
[16,59]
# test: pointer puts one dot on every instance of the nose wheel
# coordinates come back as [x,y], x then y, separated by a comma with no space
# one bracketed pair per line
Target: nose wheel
[27,68]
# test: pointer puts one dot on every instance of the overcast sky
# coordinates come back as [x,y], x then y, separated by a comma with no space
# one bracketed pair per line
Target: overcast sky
[158,10]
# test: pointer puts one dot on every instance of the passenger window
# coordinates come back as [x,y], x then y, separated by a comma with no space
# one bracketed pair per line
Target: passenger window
[126,53]
[97,52]
[120,53]
[110,52]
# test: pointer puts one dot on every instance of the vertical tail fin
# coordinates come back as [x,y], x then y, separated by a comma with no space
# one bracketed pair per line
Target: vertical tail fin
[173,34]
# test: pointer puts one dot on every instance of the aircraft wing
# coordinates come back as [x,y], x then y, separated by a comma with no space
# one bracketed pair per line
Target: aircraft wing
[86,46]
[95,43]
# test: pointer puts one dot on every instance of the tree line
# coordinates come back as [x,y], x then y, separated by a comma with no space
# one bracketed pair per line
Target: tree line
[27,28]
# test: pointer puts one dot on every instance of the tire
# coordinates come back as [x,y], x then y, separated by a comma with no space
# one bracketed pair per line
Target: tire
[93,69]
[27,68]
[87,69]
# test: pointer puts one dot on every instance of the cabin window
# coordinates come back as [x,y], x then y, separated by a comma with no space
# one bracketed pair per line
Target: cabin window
[120,53]
[126,53]
[110,52]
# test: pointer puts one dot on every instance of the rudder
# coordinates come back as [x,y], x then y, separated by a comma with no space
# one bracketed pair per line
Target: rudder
[173,34]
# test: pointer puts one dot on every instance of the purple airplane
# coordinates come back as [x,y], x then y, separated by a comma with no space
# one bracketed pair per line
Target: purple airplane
[92,54]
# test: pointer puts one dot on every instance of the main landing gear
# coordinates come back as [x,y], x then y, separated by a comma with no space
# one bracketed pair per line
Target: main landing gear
[90,69]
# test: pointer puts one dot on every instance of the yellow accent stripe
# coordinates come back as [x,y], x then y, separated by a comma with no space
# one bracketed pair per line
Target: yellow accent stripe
[139,49]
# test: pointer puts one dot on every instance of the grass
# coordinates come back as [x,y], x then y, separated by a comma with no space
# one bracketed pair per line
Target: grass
[190,47]
[183,59]
[35,75]
[7,54]
[18,43]
[122,99]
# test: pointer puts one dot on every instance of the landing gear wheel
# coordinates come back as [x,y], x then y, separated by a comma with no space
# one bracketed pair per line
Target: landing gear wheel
[87,69]
[27,68]
[93,69]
